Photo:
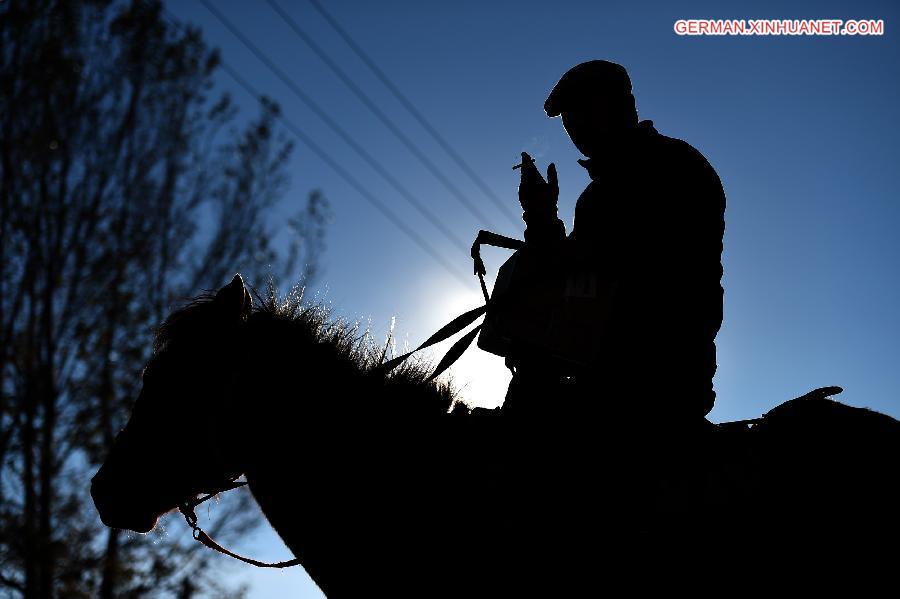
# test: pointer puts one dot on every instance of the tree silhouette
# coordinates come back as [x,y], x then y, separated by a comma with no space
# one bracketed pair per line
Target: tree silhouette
[125,182]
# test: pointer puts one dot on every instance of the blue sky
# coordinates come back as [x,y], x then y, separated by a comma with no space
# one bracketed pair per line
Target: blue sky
[803,131]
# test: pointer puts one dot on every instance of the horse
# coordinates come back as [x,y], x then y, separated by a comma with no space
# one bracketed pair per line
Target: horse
[296,403]
[380,479]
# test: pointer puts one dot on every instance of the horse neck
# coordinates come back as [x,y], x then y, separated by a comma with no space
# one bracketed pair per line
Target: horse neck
[288,386]
[289,406]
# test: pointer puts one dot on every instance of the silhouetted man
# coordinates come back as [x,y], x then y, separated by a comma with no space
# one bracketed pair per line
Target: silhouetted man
[651,222]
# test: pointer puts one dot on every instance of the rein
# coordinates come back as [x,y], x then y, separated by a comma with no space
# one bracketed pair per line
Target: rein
[454,326]
[465,319]
[187,510]
[453,354]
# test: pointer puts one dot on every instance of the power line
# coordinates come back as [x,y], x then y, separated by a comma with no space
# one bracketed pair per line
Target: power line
[373,108]
[343,173]
[424,211]
[500,204]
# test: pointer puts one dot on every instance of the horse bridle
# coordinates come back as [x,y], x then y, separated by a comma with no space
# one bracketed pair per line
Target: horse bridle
[188,506]
[454,326]
[187,510]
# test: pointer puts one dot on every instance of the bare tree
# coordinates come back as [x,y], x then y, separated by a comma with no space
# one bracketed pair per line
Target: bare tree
[126,184]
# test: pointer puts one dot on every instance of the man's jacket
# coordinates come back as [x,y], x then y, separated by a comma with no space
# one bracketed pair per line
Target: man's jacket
[652,220]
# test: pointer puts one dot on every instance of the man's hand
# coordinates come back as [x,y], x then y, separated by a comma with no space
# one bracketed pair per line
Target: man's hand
[535,194]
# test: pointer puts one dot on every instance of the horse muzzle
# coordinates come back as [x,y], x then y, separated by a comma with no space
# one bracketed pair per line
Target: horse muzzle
[120,505]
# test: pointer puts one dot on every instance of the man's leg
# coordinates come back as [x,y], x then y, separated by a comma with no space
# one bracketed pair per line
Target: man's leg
[534,390]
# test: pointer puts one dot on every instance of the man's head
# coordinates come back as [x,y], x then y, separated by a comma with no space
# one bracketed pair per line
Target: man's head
[595,102]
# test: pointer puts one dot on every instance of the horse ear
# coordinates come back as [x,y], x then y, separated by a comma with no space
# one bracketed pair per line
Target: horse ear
[234,298]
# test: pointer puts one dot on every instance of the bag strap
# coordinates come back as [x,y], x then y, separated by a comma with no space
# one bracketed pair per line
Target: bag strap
[495,240]
[465,319]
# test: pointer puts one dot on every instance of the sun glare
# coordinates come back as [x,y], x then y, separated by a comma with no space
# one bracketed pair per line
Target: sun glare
[480,378]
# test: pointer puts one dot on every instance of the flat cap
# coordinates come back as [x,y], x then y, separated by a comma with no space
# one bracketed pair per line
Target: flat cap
[586,82]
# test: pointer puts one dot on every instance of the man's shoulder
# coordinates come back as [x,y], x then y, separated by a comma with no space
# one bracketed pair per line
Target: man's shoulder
[682,156]
[674,147]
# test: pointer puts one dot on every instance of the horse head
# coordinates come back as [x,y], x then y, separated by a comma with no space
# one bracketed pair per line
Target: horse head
[152,467]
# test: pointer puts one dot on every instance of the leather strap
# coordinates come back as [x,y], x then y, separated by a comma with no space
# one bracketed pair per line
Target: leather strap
[187,510]
[207,540]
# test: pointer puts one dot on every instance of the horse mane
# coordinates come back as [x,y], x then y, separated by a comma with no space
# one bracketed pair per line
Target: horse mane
[289,326]
[346,349]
